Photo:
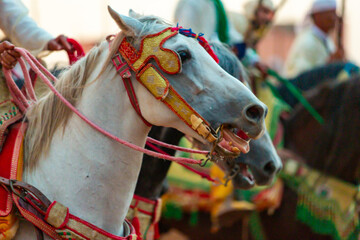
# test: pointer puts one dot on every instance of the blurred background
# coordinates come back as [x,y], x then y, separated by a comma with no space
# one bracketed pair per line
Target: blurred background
[89,22]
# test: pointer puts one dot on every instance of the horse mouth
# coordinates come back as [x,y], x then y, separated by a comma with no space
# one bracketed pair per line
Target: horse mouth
[246,176]
[240,174]
[233,142]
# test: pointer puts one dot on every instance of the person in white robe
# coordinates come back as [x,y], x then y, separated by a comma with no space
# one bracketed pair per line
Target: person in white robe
[314,47]
[23,31]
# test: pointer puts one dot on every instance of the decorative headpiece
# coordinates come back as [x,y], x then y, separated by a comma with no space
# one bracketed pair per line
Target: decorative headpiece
[168,61]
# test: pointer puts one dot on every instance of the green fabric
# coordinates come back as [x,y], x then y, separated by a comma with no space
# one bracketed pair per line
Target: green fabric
[194,218]
[256,229]
[297,93]
[325,204]
[249,194]
[322,226]
[172,211]
[279,107]
[222,27]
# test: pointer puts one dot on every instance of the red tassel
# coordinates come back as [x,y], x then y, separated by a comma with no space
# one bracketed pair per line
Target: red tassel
[156,231]
[136,224]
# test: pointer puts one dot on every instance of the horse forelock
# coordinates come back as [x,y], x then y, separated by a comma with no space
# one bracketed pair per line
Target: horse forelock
[49,114]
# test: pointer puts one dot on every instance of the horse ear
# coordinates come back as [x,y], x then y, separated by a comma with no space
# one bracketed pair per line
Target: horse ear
[130,26]
[134,14]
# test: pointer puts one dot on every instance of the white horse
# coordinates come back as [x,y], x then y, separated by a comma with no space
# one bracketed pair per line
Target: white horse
[94,176]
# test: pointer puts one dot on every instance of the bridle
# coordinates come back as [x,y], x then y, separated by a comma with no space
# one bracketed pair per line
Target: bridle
[128,60]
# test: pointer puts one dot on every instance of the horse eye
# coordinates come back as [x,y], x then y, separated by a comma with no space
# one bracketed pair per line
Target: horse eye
[184,55]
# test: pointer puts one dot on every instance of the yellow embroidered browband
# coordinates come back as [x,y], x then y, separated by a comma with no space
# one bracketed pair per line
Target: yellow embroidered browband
[169,62]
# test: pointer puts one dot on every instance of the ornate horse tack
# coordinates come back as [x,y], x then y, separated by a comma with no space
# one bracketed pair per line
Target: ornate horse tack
[169,62]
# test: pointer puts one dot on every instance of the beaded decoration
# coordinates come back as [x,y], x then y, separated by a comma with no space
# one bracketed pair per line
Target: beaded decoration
[203,42]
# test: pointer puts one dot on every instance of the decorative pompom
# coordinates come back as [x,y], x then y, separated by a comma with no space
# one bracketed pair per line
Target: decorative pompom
[203,42]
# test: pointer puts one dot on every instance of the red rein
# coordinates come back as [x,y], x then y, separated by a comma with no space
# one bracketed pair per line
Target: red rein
[24,102]
[77,53]
[201,174]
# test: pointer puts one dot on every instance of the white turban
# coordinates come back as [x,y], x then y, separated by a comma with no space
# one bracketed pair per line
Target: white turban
[322,6]
[251,6]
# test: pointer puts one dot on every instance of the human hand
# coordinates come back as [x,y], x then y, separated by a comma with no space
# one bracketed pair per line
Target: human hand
[60,43]
[8,56]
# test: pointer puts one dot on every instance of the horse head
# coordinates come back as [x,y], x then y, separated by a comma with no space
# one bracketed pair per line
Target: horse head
[188,69]
[263,162]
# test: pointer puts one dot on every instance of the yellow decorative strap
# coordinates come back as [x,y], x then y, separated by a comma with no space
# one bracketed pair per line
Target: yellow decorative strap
[161,89]
[198,124]
[154,82]
[57,215]
[152,48]
[73,228]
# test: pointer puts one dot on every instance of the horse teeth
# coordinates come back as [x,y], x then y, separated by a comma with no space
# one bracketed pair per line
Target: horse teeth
[235,149]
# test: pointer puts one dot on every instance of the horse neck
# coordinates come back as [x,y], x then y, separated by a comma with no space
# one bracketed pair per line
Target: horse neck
[92,175]
[153,171]
[331,147]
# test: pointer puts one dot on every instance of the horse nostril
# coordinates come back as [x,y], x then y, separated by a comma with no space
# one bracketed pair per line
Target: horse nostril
[255,113]
[269,168]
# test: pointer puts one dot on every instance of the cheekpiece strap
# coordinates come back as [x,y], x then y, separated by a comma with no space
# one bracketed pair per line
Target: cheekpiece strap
[124,71]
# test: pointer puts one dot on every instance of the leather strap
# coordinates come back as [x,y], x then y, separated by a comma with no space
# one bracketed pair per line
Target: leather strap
[123,69]
[18,187]
[133,99]
[45,215]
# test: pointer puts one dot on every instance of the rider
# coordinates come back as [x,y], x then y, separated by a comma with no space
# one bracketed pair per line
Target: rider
[24,32]
[255,22]
[253,25]
[314,46]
